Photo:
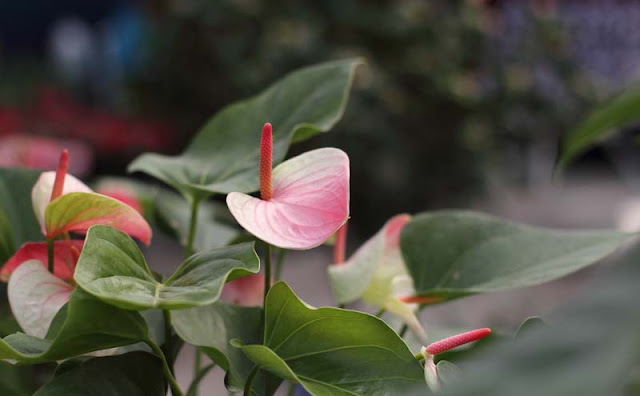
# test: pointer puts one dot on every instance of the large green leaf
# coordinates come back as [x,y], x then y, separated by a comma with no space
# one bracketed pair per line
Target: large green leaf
[601,123]
[86,325]
[589,347]
[223,157]
[112,268]
[131,374]
[212,327]
[18,224]
[16,380]
[173,214]
[332,351]
[455,253]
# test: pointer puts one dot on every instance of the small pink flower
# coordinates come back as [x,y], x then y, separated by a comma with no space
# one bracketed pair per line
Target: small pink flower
[303,204]
[247,291]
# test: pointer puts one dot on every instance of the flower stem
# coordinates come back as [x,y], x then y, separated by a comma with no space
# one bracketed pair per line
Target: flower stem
[197,364]
[267,273]
[175,388]
[249,384]
[403,331]
[380,312]
[50,254]
[282,253]
[193,222]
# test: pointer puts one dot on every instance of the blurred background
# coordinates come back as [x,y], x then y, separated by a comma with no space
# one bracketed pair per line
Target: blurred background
[461,103]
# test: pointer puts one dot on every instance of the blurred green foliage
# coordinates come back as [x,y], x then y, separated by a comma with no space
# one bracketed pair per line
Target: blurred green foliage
[439,104]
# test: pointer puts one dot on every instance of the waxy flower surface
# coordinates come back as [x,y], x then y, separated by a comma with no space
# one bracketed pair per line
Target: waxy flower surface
[303,202]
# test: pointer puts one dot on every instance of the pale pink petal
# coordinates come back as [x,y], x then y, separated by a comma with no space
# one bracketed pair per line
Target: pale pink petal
[310,201]
[248,290]
[65,257]
[41,193]
[36,296]
[122,193]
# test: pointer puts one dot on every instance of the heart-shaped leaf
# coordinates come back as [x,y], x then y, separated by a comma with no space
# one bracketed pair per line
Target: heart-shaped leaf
[212,327]
[332,351]
[601,123]
[78,211]
[112,268]
[17,222]
[174,216]
[88,325]
[131,374]
[223,157]
[455,253]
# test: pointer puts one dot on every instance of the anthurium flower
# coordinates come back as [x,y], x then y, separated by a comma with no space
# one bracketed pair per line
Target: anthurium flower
[65,258]
[303,201]
[62,203]
[247,290]
[35,296]
[376,273]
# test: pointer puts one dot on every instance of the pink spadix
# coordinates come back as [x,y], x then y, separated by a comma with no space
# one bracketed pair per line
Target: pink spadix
[61,173]
[457,340]
[303,201]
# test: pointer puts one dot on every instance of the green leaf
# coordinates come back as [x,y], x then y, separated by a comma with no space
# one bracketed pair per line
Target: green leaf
[18,224]
[601,123]
[16,380]
[332,351]
[212,327]
[131,374]
[223,157]
[112,268]
[173,214]
[87,325]
[588,347]
[456,253]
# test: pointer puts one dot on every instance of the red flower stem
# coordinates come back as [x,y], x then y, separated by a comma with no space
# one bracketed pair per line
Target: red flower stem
[457,340]
[341,245]
[420,299]
[266,162]
[61,173]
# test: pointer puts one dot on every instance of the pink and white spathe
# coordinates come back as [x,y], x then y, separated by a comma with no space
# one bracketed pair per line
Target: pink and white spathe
[110,211]
[303,202]
[247,290]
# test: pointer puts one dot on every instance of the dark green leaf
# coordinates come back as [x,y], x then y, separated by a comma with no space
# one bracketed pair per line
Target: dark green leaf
[455,253]
[223,157]
[16,380]
[18,224]
[131,374]
[112,268]
[602,122]
[332,351]
[87,325]
[589,347]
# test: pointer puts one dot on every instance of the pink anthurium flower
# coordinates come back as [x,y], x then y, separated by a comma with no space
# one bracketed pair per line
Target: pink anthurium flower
[376,273]
[91,208]
[303,201]
[35,296]
[65,258]
[247,291]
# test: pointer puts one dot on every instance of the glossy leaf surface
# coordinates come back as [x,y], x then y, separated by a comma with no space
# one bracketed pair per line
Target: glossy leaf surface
[112,268]
[455,253]
[223,157]
[332,351]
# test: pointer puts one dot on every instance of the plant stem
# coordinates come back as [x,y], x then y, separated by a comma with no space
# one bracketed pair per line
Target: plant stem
[267,273]
[380,312]
[175,388]
[193,388]
[197,363]
[282,253]
[167,325]
[193,222]
[249,384]
[50,254]
[403,331]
